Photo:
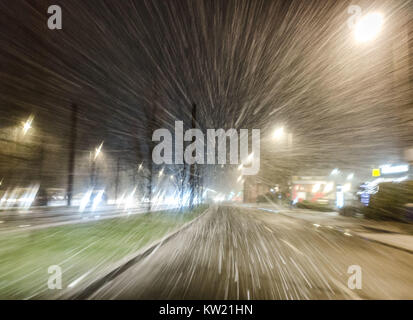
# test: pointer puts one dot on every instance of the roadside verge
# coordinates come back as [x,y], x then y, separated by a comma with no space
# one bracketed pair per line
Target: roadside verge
[89,288]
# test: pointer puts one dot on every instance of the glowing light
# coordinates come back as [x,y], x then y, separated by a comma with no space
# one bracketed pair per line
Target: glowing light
[97,199]
[219,198]
[335,172]
[340,199]
[347,187]
[388,169]
[401,179]
[129,202]
[329,187]
[316,188]
[350,176]
[279,133]
[376,173]
[368,27]
[85,200]
[98,150]
[27,125]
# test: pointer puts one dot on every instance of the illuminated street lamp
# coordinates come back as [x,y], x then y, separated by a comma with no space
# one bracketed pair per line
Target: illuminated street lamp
[98,150]
[93,174]
[27,125]
[368,27]
[278,133]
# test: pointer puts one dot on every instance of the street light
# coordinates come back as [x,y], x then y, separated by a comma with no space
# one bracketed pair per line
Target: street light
[368,27]
[98,150]
[93,174]
[279,133]
[27,125]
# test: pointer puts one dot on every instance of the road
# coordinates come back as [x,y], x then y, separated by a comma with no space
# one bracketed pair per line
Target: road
[247,253]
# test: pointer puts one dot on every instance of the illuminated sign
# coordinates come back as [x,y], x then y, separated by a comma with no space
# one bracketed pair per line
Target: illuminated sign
[340,197]
[376,173]
[388,169]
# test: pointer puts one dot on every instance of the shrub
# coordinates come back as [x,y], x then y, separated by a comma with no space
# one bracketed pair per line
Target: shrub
[389,203]
[268,197]
[314,206]
[350,211]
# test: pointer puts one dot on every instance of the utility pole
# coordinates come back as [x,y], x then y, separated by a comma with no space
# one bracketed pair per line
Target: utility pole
[40,176]
[117,179]
[72,147]
[151,115]
[93,174]
[192,171]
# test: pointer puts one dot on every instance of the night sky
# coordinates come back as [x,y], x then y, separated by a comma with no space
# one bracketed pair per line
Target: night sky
[134,65]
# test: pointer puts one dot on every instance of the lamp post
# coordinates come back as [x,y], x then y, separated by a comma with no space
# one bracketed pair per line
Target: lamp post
[93,175]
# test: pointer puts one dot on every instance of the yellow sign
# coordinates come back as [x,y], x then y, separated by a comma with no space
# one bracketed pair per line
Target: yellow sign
[376,173]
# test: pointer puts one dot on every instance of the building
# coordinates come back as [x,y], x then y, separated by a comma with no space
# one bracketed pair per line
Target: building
[253,188]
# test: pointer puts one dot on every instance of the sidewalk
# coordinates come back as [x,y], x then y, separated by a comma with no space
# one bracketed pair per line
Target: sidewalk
[394,234]
[399,241]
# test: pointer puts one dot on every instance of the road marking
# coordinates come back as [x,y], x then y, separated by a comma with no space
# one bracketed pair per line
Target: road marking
[269,210]
[291,246]
[268,229]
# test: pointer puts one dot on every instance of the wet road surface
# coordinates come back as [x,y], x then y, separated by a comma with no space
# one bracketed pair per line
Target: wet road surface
[247,253]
